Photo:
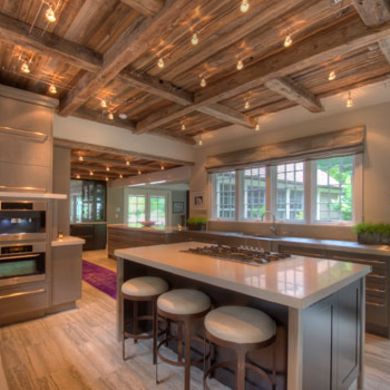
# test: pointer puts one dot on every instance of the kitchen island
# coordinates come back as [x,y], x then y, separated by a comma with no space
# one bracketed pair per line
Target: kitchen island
[318,305]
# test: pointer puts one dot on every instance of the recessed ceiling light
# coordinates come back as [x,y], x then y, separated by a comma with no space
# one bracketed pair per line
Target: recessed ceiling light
[122,116]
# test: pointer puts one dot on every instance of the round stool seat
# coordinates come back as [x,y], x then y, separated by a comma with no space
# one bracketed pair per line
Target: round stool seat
[240,324]
[144,286]
[183,302]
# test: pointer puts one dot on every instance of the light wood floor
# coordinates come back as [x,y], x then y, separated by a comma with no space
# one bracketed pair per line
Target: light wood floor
[77,349]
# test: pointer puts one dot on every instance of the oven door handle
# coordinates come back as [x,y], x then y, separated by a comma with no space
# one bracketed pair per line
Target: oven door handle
[33,256]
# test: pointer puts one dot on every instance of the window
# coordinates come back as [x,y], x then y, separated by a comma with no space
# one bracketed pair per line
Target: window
[158,209]
[290,192]
[225,195]
[333,189]
[327,191]
[147,205]
[254,191]
[136,208]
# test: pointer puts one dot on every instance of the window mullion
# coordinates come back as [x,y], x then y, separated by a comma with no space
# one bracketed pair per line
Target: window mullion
[308,191]
[238,196]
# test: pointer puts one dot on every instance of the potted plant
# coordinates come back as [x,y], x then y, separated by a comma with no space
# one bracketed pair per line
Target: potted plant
[197,223]
[373,233]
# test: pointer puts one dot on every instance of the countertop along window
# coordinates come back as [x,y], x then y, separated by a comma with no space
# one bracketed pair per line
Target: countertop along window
[322,191]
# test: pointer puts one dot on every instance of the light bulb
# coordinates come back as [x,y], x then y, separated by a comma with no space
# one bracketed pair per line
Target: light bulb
[194,39]
[332,75]
[90,173]
[160,63]
[103,103]
[139,172]
[203,82]
[120,176]
[183,126]
[25,68]
[200,142]
[110,116]
[240,65]
[52,89]
[106,178]
[127,162]
[288,41]
[108,169]
[247,105]
[123,116]
[81,158]
[349,100]
[244,7]
[162,167]
[77,176]
[50,15]
[257,128]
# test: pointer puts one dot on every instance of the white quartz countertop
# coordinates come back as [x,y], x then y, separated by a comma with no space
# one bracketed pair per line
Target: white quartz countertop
[296,282]
[67,241]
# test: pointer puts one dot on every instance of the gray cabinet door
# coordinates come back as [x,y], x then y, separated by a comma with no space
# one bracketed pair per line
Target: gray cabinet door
[66,274]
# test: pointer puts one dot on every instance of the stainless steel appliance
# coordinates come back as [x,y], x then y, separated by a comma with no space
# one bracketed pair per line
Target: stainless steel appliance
[242,254]
[22,263]
[23,220]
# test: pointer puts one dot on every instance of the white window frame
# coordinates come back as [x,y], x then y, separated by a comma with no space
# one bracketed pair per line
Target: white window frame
[309,196]
[148,193]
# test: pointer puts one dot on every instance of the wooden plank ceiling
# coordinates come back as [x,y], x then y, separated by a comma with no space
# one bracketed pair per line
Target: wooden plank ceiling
[179,68]
[99,163]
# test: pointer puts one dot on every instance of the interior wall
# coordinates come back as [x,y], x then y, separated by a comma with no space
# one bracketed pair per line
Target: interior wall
[115,202]
[61,185]
[179,196]
[376,168]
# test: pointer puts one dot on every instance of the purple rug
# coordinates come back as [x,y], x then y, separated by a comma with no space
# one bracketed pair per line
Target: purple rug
[99,277]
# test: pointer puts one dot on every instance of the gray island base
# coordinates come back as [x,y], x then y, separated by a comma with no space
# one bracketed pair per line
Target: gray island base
[318,305]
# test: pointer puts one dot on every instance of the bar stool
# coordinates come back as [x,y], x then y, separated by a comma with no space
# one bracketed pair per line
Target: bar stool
[142,289]
[184,307]
[243,330]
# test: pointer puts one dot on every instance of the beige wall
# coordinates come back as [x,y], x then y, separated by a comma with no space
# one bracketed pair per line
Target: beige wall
[61,185]
[376,167]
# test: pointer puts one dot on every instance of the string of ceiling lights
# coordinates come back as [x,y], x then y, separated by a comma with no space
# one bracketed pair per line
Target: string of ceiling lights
[50,8]
[127,162]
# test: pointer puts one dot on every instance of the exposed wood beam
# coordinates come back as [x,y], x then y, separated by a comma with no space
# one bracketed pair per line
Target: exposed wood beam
[98,169]
[295,92]
[119,165]
[373,12]
[227,114]
[132,44]
[384,45]
[145,7]
[317,49]
[18,33]
[68,144]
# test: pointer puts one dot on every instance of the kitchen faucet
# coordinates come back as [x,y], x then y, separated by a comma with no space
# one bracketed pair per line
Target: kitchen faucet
[273,228]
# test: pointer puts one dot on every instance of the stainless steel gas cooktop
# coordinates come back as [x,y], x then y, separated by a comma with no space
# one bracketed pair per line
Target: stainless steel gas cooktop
[242,254]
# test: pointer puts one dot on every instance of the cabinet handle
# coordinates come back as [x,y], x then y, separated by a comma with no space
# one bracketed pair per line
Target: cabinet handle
[23,294]
[34,256]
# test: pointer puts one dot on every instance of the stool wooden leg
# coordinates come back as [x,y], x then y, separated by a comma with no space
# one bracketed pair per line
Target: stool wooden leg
[155,329]
[187,356]
[135,321]
[180,342]
[240,370]
[123,328]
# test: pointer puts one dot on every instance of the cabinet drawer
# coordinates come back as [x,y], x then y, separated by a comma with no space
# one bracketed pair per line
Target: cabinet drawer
[378,266]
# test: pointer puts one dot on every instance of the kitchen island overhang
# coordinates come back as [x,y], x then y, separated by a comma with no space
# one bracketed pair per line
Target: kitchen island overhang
[296,291]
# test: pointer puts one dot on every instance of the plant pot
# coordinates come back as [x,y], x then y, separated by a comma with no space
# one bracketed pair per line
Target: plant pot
[372,239]
[197,226]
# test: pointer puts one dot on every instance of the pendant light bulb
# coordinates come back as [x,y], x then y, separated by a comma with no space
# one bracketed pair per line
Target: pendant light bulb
[50,15]
[257,128]
[127,162]
[90,173]
[52,89]
[349,100]
[194,39]
[203,82]
[240,65]
[200,142]
[77,176]
[25,68]
[288,41]
[161,63]
[244,7]
[120,176]
[139,172]
[81,158]
[103,103]
[332,76]
[108,169]
[110,116]
[247,105]
[107,178]
[162,167]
